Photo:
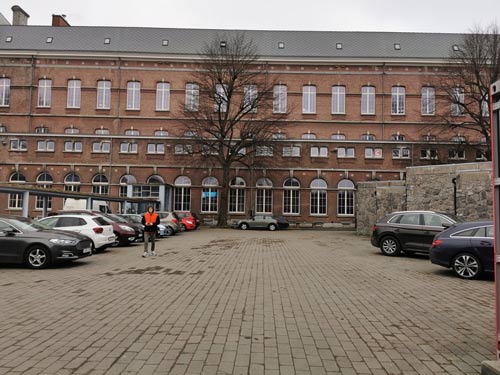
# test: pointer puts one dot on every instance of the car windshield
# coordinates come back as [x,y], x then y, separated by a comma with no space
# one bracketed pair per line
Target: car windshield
[116,218]
[135,219]
[28,225]
[455,218]
[183,214]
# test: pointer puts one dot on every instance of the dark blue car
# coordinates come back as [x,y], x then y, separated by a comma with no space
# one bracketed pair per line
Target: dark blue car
[467,248]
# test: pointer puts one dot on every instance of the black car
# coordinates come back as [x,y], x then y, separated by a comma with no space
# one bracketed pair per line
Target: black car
[410,231]
[23,240]
[466,248]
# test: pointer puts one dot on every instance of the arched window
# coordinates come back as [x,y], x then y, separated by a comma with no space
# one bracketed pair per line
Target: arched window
[264,201]
[237,195]
[182,194]
[43,180]
[209,196]
[72,182]
[126,180]
[291,196]
[345,198]
[318,197]
[100,184]
[16,199]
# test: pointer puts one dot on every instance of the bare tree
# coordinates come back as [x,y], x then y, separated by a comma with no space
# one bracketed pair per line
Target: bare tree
[474,65]
[231,109]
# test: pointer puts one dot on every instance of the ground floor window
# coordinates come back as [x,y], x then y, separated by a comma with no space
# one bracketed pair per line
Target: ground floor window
[15,200]
[345,198]
[237,195]
[182,194]
[264,201]
[318,197]
[209,196]
[291,196]
[39,203]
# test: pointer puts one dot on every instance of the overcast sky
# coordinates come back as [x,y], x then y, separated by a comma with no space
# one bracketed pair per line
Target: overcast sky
[448,16]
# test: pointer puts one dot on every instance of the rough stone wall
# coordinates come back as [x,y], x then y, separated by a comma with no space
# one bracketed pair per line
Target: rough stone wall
[429,188]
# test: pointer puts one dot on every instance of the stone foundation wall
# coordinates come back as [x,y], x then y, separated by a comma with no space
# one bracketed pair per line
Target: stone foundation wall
[429,188]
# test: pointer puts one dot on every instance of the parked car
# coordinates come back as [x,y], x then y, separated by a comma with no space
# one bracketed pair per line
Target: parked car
[262,222]
[124,233]
[466,248]
[138,227]
[94,227]
[136,218]
[188,221]
[23,240]
[409,231]
[171,220]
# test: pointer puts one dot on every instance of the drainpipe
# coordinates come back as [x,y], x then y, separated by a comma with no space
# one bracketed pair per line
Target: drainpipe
[454,181]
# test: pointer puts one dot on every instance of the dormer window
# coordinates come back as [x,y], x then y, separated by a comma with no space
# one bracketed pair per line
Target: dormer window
[223,44]
[397,46]
[281,45]
[456,47]
[49,39]
[8,39]
[339,46]
[164,42]
[107,40]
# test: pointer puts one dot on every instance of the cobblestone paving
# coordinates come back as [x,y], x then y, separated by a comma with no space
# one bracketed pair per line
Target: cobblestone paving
[245,302]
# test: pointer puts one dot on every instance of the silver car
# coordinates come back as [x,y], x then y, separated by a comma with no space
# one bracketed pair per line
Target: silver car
[262,222]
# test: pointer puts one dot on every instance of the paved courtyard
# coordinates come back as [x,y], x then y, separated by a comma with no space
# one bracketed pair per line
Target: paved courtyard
[222,301]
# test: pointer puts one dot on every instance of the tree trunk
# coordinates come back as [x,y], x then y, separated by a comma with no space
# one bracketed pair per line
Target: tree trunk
[224,198]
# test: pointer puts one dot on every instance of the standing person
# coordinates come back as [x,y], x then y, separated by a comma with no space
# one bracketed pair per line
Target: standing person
[150,220]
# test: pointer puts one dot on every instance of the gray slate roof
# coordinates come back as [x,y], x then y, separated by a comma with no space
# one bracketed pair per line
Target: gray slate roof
[297,44]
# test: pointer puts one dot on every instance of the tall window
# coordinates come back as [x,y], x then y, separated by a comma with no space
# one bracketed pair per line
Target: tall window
[72,182]
[220,98]
[345,198]
[318,196]
[309,99]
[237,195]
[264,201]
[4,92]
[398,100]
[44,180]
[338,99]
[428,101]
[209,196]
[457,101]
[16,199]
[291,196]
[279,98]
[103,94]
[100,185]
[163,96]
[182,194]
[250,98]
[133,95]
[44,92]
[74,93]
[368,100]
[192,97]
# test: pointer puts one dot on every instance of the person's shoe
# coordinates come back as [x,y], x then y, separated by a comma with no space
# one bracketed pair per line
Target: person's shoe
[145,254]
[153,253]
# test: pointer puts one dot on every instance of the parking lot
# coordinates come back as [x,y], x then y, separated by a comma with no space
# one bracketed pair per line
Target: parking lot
[225,301]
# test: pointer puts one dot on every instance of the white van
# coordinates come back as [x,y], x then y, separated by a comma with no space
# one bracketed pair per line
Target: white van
[81,204]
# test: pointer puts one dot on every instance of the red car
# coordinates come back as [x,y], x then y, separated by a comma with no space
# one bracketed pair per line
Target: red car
[188,220]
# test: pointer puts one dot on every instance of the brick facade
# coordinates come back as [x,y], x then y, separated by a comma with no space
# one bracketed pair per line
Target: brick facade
[22,117]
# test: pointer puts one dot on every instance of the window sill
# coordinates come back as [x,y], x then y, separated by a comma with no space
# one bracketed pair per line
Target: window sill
[72,152]
[103,109]
[72,108]
[18,150]
[45,151]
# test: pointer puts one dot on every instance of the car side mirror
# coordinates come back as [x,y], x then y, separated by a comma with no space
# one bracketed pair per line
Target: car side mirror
[446,225]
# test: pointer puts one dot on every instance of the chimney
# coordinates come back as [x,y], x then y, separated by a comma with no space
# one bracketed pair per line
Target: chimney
[59,20]
[19,16]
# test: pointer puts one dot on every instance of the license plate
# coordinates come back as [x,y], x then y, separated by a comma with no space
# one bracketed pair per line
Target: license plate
[87,250]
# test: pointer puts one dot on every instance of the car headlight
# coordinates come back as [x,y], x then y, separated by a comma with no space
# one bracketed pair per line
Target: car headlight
[127,228]
[60,241]
[189,222]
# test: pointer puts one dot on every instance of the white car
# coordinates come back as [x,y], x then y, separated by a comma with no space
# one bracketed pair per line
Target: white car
[94,227]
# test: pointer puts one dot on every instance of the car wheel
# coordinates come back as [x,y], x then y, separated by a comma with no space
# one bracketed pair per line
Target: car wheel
[390,246]
[117,240]
[169,231]
[243,226]
[93,250]
[272,227]
[37,257]
[183,228]
[466,266]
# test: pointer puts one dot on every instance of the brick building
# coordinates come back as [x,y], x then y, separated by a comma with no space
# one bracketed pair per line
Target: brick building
[100,110]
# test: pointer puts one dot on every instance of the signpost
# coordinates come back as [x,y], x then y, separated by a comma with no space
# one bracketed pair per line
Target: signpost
[495,136]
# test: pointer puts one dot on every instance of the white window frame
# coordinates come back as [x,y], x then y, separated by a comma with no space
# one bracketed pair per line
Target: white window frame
[44,93]
[133,96]
[279,98]
[75,146]
[346,199]
[163,96]
[103,94]
[457,101]
[4,92]
[156,148]
[291,197]
[319,151]
[374,153]
[237,196]
[291,151]
[428,101]
[398,99]
[401,153]
[19,145]
[346,152]
[74,94]
[368,97]
[210,185]
[338,100]
[129,148]
[309,99]
[45,146]
[220,98]
[250,98]
[192,97]
[318,198]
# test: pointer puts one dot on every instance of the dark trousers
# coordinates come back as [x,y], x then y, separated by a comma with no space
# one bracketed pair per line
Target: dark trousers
[149,237]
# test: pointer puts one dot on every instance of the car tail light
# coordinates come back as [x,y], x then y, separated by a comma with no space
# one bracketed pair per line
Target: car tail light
[98,230]
[374,228]
[436,243]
